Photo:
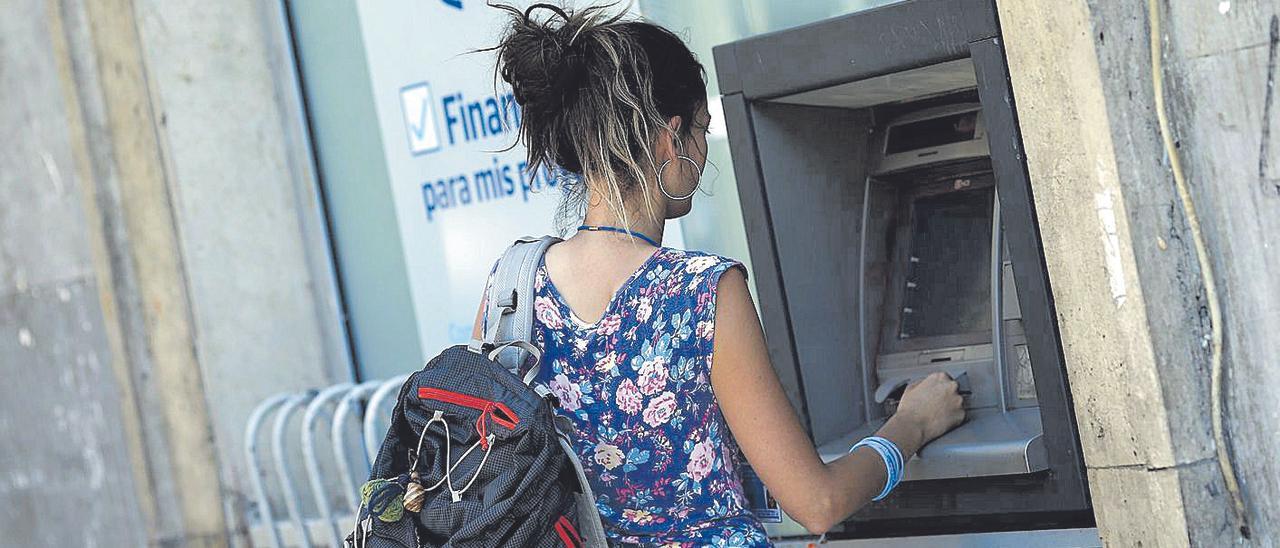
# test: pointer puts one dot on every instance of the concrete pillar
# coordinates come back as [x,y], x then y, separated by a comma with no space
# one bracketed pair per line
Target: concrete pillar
[245,205]
[1129,292]
[147,286]
[70,450]
[163,265]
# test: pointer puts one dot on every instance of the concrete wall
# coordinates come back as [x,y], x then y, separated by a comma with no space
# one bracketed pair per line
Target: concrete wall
[1127,285]
[163,265]
[246,210]
[65,438]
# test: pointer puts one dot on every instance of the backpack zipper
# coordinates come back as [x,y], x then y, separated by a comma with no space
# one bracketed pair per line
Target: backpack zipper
[487,408]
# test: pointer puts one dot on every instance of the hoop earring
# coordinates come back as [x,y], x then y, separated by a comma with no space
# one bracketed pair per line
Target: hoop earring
[663,188]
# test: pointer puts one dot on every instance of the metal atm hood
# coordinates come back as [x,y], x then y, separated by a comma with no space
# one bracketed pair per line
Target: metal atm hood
[833,202]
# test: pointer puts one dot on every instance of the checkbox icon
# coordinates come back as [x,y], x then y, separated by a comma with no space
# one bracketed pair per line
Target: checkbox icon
[419,118]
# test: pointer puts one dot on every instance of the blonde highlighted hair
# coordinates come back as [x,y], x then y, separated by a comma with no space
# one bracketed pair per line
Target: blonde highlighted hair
[596,91]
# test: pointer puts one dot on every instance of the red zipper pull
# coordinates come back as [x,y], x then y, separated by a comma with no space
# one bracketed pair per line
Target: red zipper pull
[482,428]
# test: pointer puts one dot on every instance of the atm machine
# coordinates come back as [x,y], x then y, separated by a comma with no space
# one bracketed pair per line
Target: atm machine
[945,300]
[892,235]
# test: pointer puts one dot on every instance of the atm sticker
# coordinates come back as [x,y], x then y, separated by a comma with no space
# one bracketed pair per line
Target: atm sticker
[758,498]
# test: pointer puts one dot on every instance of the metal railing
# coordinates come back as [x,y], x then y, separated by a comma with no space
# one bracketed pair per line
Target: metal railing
[331,473]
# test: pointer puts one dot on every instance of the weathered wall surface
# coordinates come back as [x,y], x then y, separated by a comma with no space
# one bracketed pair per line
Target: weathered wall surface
[1127,285]
[163,265]
[246,212]
[64,437]
[1220,61]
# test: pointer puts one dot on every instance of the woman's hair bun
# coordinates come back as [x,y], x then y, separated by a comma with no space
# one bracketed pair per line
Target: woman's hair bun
[595,93]
[543,56]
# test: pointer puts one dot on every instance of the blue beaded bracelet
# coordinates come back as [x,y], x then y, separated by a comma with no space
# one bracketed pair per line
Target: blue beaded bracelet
[892,461]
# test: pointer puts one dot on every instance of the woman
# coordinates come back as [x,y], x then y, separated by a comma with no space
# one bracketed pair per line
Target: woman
[656,354]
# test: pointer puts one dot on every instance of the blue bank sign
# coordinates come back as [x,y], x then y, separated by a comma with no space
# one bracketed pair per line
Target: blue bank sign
[460,181]
[493,117]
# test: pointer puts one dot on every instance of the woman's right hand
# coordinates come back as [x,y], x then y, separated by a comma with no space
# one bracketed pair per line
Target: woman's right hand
[933,404]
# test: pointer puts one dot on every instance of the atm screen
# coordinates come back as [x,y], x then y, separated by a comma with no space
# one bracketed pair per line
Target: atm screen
[949,271]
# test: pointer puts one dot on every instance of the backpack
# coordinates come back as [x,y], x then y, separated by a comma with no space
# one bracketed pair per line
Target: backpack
[474,455]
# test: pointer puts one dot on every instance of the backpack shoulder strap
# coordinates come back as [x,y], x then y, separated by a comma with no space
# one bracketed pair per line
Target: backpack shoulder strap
[509,308]
[509,325]
[590,526]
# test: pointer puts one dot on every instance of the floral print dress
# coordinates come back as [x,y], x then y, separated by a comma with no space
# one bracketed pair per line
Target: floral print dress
[637,385]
